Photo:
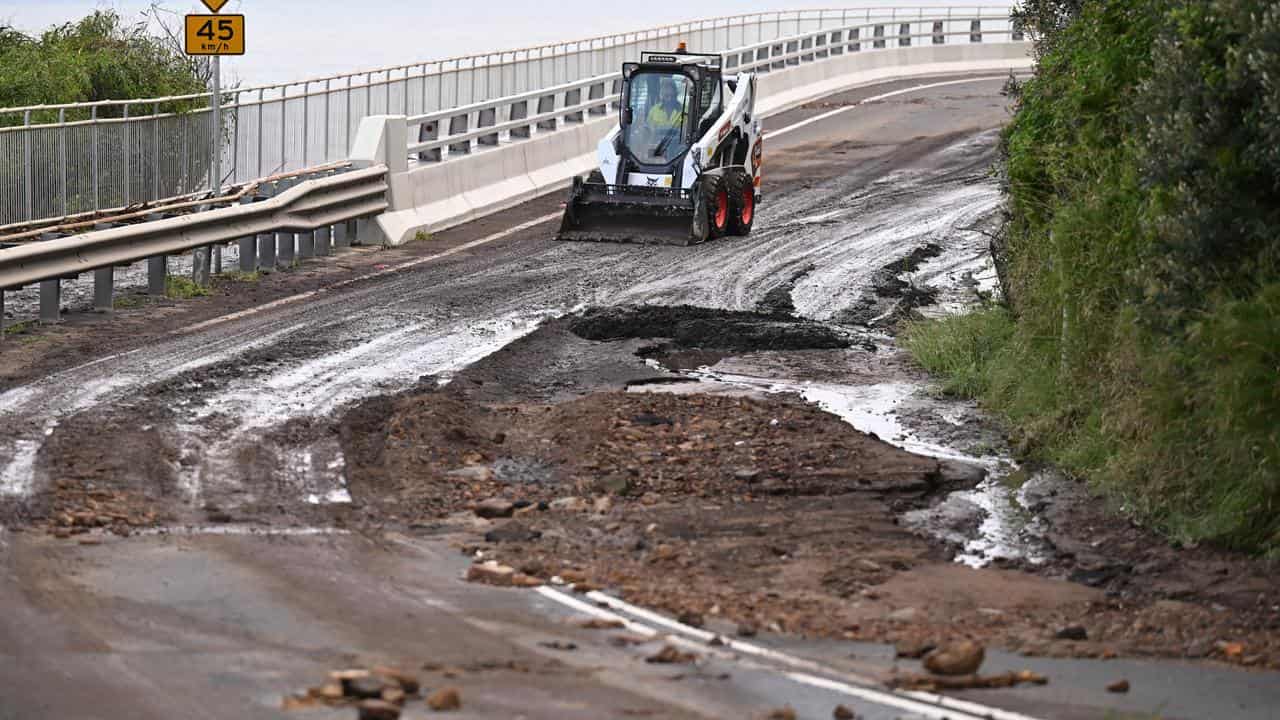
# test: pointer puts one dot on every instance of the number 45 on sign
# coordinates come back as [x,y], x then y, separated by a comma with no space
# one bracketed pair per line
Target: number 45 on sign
[215,34]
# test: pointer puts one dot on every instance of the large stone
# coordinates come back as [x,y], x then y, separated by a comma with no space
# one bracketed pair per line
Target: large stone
[407,682]
[445,699]
[495,508]
[491,573]
[378,710]
[957,658]
[570,504]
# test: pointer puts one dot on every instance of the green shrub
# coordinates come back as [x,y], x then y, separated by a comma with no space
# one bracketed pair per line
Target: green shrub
[178,287]
[1142,262]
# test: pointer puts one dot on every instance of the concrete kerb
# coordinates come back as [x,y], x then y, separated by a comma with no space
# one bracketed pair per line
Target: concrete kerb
[431,197]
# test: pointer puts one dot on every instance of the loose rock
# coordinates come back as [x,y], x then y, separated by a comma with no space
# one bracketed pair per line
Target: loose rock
[958,658]
[1072,632]
[378,710]
[669,655]
[1120,686]
[843,713]
[491,573]
[495,508]
[445,699]
[783,713]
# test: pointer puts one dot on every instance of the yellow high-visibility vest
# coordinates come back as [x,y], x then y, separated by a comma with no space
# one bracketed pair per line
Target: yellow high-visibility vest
[660,118]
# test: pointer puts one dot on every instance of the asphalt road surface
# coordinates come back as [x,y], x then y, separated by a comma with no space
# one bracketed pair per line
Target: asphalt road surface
[204,621]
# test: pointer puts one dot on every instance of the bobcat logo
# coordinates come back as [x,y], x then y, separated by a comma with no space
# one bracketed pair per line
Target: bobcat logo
[653,181]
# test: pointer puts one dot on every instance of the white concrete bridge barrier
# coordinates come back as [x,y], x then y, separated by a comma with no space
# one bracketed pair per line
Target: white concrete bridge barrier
[497,155]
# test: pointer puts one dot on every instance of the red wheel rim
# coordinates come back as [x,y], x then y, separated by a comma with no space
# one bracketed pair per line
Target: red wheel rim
[748,205]
[722,209]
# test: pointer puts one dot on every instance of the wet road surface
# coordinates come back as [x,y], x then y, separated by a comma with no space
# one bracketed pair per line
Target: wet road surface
[234,415]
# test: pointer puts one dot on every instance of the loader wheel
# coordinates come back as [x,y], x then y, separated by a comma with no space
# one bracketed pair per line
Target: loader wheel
[595,177]
[742,196]
[718,210]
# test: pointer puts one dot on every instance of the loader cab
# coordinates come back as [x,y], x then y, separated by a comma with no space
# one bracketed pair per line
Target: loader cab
[668,103]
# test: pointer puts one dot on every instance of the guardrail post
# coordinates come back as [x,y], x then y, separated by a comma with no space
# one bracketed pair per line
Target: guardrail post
[51,301]
[306,244]
[248,248]
[217,259]
[546,104]
[939,35]
[267,252]
[879,35]
[342,235]
[157,274]
[427,132]
[104,282]
[352,233]
[284,240]
[458,126]
[975,31]
[1,314]
[904,35]
[596,92]
[520,111]
[323,236]
[571,98]
[487,118]
[200,262]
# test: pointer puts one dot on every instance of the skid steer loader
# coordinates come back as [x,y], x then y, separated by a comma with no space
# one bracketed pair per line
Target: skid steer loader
[683,164]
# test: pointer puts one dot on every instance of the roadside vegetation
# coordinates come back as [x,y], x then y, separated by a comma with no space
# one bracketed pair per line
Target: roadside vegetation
[1139,343]
[100,57]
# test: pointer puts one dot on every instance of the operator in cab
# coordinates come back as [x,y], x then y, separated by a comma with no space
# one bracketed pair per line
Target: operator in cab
[669,112]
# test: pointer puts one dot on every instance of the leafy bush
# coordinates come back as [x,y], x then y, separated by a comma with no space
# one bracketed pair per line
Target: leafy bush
[100,57]
[1142,260]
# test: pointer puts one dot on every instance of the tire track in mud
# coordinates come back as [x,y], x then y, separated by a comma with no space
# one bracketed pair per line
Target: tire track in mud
[246,405]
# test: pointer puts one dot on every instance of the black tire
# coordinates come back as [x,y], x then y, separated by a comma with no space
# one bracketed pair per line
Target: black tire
[715,196]
[742,202]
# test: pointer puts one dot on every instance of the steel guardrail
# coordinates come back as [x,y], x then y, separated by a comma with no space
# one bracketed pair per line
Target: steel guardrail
[306,206]
[69,159]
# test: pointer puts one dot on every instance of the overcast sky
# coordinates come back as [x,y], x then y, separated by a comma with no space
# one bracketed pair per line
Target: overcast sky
[295,39]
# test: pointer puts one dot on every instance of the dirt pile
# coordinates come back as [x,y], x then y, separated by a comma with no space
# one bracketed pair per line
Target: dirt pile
[707,328]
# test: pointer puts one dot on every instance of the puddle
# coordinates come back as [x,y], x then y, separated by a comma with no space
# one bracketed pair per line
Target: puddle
[989,522]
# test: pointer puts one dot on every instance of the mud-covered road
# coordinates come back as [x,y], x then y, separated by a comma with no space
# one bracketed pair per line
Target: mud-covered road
[206,506]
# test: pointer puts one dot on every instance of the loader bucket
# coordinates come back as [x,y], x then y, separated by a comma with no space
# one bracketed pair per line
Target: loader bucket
[624,214]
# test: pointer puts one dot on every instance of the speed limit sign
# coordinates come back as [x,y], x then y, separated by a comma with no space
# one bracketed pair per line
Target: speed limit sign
[215,34]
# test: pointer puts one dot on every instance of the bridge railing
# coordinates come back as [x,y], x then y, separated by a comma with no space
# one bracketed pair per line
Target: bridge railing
[60,161]
[439,135]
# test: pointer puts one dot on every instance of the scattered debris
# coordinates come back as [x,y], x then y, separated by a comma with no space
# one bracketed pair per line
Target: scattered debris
[445,699]
[843,713]
[782,713]
[557,645]
[957,658]
[1120,686]
[967,682]
[495,508]
[491,573]
[669,655]
[914,649]
[1072,632]
[378,710]
[601,624]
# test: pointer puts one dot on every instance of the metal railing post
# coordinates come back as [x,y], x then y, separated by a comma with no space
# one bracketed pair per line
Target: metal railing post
[27,170]
[62,156]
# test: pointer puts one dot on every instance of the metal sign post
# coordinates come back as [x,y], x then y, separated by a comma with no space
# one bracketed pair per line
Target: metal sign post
[215,35]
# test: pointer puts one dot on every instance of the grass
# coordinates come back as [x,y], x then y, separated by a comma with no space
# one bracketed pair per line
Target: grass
[422,236]
[179,287]
[239,276]
[960,348]
[128,302]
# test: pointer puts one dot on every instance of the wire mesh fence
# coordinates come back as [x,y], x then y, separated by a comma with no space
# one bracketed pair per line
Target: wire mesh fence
[58,161]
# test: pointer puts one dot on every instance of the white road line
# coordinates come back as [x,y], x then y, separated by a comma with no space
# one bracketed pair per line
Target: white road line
[926,704]
[796,662]
[369,276]
[876,98]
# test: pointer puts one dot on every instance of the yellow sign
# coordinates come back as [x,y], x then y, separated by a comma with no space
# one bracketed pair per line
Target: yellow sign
[215,34]
[215,5]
